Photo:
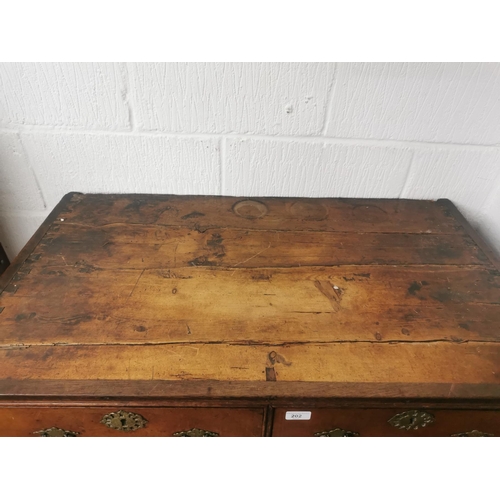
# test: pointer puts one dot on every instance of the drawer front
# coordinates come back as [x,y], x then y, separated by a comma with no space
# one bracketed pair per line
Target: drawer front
[113,421]
[386,422]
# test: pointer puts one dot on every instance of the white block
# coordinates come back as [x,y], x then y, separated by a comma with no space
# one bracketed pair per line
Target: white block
[256,98]
[488,223]
[297,168]
[16,229]
[466,177]
[83,95]
[439,102]
[18,187]
[123,164]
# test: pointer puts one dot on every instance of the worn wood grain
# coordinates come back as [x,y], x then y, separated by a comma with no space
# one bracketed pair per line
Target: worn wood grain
[63,392]
[332,362]
[138,246]
[230,301]
[66,305]
[267,214]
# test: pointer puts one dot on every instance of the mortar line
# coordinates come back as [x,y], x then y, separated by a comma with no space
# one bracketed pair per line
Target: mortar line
[32,170]
[313,139]
[402,194]
[222,159]
[329,104]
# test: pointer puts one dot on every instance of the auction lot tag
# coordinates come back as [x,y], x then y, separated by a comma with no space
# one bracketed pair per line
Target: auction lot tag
[298,415]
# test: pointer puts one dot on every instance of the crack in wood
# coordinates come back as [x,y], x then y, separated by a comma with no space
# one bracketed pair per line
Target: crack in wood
[204,229]
[248,343]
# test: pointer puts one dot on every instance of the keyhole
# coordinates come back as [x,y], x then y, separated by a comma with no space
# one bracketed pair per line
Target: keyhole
[124,422]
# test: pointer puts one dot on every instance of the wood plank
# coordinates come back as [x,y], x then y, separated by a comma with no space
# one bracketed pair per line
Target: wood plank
[310,214]
[128,246]
[366,303]
[66,392]
[360,298]
[350,362]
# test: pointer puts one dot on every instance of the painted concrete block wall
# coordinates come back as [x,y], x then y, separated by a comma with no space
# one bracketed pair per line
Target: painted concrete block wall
[391,130]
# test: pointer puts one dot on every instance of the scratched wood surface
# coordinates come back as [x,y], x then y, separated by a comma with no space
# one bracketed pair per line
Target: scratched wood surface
[179,288]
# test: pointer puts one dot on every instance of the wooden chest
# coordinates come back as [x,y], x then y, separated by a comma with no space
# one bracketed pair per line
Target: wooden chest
[145,315]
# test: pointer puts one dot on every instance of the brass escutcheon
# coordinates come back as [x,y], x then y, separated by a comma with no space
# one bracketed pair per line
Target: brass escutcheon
[125,421]
[56,432]
[195,433]
[336,433]
[412,419]
[473,433]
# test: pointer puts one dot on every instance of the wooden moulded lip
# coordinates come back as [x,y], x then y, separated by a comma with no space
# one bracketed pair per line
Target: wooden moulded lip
[269,255]
[259,392]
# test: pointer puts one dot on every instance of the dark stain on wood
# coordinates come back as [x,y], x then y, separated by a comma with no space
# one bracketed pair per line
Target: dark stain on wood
[23,317]
[414,288]
[410,318]
[270,374]
[192,215]
[442,296]
[202,261]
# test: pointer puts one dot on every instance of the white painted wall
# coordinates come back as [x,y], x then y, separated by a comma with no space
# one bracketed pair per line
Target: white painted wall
[389,130]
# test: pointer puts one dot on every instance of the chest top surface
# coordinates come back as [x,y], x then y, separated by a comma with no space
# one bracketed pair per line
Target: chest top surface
[240,295]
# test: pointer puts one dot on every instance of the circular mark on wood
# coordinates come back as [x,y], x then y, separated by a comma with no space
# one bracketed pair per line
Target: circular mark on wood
[250,209]
[308,210]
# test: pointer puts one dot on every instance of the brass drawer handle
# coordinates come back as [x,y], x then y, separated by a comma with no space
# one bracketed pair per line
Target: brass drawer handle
[412,419]
[195,433]
[473,433]
[56,432]
[125,421]
[336,433]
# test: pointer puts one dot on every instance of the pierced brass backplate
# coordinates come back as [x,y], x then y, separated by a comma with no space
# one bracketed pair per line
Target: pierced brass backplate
[125,421]
[473,433]
[195,433]
[411,419]
[336,433]
[56,432]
